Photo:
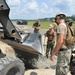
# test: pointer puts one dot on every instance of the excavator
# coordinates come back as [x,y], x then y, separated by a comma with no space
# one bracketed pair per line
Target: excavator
[18,50]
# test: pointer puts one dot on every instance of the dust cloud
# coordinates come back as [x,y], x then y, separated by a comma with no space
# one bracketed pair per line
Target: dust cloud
[43,62]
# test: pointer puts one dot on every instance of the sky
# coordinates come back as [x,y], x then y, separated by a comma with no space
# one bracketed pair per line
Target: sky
[36,9]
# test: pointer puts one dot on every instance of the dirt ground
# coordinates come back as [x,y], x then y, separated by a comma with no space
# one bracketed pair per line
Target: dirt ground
[46,67]
[41,72]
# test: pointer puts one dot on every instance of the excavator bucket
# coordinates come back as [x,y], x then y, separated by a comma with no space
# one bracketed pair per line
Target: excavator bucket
[30,43]
[34,41]
[9,28]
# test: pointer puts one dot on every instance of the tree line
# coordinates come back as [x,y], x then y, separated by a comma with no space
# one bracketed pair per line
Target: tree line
[47,19]
[52,18]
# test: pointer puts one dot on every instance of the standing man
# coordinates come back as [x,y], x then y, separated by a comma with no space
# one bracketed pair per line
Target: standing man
[64,54]
[50,34]
[36,26]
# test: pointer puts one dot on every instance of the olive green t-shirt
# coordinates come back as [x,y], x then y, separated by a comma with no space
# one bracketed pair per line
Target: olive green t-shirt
[62,28]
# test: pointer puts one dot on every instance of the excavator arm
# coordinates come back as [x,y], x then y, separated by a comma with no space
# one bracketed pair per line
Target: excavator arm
[8,26]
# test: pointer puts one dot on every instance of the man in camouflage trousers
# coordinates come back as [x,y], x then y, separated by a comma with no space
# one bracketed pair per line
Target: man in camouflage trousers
[64,54]
[36,26]
[50,34]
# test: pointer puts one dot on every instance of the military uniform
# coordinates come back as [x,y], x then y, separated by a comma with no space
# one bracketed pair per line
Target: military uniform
[36,24]
[64,54]
[50,42]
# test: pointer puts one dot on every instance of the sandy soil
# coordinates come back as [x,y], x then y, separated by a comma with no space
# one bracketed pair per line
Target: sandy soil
[42,65]
[41,72]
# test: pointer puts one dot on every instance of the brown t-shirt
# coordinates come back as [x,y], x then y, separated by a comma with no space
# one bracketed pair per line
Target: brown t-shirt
[50,34]
[62,28]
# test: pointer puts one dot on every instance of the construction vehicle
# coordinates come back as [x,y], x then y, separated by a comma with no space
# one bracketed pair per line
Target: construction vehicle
[22,22]
[17,49]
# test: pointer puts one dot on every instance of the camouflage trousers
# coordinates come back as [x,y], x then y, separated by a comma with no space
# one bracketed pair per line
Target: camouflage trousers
[63,62]
[49,48]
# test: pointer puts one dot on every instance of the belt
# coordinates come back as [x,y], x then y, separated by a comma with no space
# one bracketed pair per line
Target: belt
[49,40]
[63,49]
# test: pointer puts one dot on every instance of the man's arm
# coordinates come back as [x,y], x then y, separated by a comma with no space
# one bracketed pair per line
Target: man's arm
[34,26]
[54,37]
[37,27]
[46,34]
[58,45]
